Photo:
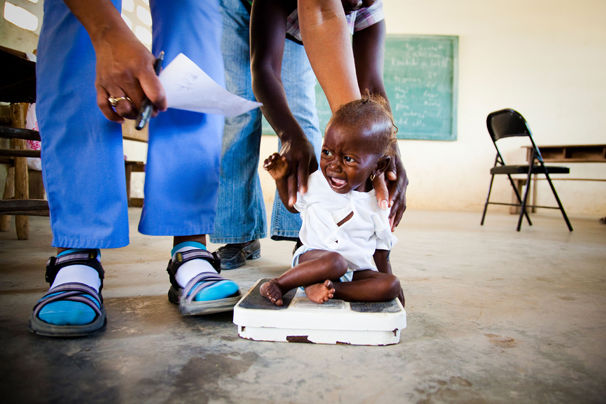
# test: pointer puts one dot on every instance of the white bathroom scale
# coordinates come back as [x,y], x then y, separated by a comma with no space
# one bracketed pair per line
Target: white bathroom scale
[334,322]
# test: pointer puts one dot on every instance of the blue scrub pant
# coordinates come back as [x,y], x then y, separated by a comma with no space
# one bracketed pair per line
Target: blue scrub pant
[82,155]
[241,209]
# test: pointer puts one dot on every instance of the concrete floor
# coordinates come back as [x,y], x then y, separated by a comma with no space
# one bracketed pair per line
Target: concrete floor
[493,316]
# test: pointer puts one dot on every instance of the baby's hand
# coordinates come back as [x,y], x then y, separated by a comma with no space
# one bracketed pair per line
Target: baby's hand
[276,165]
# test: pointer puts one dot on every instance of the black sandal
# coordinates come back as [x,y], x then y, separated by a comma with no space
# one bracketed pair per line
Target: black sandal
[73,291]
[184,297]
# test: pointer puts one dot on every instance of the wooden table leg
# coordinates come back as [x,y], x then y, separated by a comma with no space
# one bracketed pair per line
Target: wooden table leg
[19,112]
[9,193]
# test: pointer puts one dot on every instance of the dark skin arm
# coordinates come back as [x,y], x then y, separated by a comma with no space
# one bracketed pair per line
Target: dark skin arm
[267,33]
[368,52]
[328,47]
[381,258]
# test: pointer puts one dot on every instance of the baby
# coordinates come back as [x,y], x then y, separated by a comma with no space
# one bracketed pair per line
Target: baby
[346,236]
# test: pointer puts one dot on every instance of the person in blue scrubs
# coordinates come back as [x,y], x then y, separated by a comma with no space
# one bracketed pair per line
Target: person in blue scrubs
[92,73]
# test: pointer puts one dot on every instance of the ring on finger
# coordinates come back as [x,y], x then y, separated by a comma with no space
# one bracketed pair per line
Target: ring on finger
[113,101]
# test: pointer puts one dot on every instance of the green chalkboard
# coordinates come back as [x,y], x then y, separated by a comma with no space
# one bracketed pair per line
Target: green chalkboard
[420,77]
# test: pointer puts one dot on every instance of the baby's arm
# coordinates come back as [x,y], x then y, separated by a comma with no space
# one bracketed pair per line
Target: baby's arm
[277,166]
[381,258]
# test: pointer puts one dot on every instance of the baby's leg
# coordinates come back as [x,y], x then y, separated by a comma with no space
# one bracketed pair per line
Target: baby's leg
[368,286]
[320,292]
[315,266]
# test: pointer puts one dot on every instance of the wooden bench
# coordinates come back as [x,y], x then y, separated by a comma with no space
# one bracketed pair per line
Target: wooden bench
[18,89]
[23,193]
[17,199]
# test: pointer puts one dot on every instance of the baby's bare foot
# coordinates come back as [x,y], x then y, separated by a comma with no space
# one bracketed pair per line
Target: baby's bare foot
[320,292]
[271,291]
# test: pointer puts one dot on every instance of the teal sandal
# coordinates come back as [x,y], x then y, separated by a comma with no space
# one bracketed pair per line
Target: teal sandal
[71,292]
[207,292]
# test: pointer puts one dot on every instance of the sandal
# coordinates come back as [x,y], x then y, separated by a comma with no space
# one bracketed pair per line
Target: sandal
[219,292]
[74,292]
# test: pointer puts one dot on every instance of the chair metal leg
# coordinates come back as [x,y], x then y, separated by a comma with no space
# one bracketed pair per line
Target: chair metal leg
[515,190]
[524,200]
[487,199]
[555,194]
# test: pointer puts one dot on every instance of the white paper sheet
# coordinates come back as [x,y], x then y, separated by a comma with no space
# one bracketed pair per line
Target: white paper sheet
[188,87]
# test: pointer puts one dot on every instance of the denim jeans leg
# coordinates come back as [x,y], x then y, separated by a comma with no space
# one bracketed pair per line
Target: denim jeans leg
[299,83]
[240,213]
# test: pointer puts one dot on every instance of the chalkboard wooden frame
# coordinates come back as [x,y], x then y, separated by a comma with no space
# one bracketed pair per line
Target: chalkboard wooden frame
[421,80]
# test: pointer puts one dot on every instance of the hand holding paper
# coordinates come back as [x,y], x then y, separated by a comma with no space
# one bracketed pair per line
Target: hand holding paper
[188,87]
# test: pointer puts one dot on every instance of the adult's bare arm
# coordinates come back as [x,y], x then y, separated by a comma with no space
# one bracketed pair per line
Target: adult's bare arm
[267,36]
[368,49]
[328,46]
[124,67]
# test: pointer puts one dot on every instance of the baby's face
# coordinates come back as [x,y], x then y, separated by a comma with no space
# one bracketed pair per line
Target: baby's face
[348,159]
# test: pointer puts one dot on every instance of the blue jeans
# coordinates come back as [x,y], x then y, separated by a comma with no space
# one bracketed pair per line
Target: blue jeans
[240,213]
[82,156]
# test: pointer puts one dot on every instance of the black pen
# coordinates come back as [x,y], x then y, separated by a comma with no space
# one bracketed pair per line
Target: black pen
[147,107]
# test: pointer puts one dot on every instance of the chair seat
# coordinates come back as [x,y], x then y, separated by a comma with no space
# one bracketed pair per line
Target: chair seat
[523,169]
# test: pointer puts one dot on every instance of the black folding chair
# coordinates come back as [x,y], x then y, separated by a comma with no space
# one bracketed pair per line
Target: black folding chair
[509,123]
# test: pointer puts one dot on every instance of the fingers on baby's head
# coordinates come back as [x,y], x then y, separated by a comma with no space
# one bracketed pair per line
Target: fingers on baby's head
[372,116]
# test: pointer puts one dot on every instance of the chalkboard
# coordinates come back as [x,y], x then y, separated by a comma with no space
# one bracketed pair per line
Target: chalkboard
[420,77]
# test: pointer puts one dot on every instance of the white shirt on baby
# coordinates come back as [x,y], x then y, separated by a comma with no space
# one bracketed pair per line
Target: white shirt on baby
[356,239]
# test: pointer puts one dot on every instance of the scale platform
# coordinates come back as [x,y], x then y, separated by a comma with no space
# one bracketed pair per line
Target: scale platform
[334,322]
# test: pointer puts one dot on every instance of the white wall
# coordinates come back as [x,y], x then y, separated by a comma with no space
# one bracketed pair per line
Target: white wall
[543,58]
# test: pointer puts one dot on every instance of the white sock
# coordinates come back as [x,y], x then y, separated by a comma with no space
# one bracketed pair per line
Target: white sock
[187,271]
[78,273]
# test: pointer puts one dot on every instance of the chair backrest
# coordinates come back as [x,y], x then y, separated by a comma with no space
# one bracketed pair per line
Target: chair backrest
[506,123]
[509,123]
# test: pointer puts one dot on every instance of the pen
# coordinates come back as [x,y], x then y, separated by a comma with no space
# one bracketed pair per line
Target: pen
[146,106]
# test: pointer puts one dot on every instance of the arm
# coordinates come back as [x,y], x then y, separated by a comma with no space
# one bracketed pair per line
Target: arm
[381,258]
[277,166]
[267,33]
[328,46]
[368,52]
[124,65]
[368,49]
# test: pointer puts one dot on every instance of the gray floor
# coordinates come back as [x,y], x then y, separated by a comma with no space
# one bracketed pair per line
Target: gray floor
[493,316]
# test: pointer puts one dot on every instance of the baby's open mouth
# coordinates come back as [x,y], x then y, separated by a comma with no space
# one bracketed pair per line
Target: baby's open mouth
[337,183]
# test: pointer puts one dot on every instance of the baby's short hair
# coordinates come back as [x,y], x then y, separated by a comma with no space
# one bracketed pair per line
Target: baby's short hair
[372,111]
